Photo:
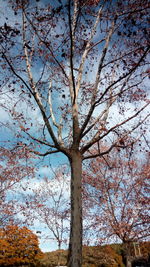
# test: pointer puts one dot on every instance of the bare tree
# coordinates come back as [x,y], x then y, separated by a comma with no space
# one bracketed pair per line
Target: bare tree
[48,203]
[117,201]
[13,170]
[73,64]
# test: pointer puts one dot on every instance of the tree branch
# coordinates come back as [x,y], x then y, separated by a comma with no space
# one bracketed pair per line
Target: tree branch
[93,102]
[107,89]
[44,154]
[97,136]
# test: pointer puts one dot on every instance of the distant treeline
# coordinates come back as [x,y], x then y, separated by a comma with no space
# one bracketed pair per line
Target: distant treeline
[115,255]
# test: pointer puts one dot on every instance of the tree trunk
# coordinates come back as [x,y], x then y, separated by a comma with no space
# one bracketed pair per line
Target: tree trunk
[128,261]
[75,242]
[59,247]
[128,256]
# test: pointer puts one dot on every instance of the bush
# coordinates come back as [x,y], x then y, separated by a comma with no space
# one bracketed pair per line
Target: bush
[18,246]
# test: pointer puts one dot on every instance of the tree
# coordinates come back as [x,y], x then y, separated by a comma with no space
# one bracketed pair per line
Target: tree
[18,246]
[13,169]
[119,204]
[76,62]
[48,203]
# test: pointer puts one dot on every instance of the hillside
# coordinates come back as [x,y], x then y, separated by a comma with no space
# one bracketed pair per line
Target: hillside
[98,256]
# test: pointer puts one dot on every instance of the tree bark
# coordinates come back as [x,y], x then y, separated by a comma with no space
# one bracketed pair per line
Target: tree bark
[128,257]
[128,261]
[75,244]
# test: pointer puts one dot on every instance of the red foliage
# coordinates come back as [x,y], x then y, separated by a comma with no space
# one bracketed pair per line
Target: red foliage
[13,169]
[118,192]
[89,2]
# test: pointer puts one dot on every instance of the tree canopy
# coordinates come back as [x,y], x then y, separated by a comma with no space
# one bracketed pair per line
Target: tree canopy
[74,79]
